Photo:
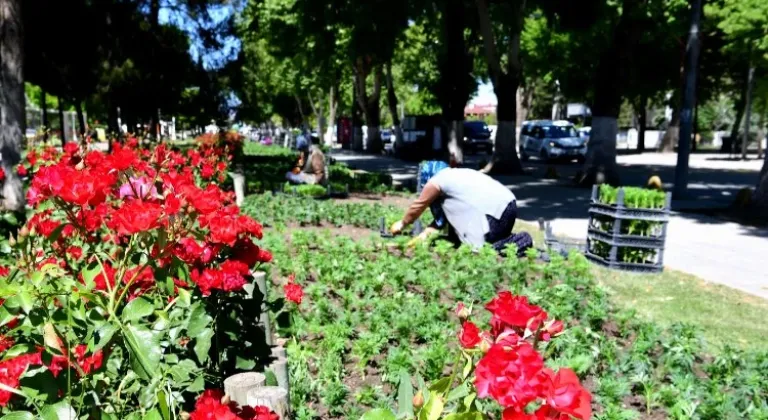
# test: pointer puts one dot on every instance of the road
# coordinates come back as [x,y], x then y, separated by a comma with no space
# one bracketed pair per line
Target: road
[710,248]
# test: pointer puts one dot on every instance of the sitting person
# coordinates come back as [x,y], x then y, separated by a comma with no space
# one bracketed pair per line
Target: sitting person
[474,207]
[311,168]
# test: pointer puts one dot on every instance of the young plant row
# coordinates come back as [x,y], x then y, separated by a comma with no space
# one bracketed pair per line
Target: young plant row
[379,321]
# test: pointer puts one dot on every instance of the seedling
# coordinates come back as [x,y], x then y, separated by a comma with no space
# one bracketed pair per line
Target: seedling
[384,231]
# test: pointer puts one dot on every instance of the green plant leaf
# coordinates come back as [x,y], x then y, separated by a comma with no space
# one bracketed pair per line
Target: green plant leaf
[104,333]
[59,411]
[39,384]
[198,320]
[458,392]
[433,409]
[138,308]
[90,272]
[203,344]
[441,386]
[405,394]
[162,401]
[271,379]
[146,352]
[379,414]
[54,236]
[18,415]
[465,416]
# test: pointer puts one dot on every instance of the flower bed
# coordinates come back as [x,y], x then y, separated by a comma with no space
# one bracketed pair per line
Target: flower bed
[627,228]
[375,324]
[126,296]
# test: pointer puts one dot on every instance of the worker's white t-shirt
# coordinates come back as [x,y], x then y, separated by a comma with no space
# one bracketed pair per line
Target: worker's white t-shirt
[467,196]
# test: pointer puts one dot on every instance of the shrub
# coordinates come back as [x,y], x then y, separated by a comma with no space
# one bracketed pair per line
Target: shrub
[131,264]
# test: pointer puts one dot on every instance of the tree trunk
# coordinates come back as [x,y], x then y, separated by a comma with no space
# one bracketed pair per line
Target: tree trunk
[760,197]
[80,120]
[612,67]
[505,159]
[740,106]
[333,103]
[44,110]
[12,107]
[392,102]
[370,104]
[317,109]
[672,134]
[456,140]
[62,123]
[523,98]
[505,84]
[642,122]
[455,64]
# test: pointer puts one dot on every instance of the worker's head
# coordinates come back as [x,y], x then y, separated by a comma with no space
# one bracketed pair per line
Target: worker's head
[429,169]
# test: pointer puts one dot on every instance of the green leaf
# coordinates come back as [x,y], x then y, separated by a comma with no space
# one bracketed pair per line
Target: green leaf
[59,411]
[26,301]
[10,218]
[145,350]
[465,416]
[162,401]
[203,344]
[153,415]
[18,415]
[198,320]
[39,384]
[137,309]
[244,364]
[458,392]
[90,272]
[18,350]
[433,409]
[405,395]
[271,379]
[379,414]
[104,333]
[468,366]
[198,385]
[54,236]
[185,298]
[441,386]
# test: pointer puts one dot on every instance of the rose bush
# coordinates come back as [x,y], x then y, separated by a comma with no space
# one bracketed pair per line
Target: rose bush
[502,364]
[127,293]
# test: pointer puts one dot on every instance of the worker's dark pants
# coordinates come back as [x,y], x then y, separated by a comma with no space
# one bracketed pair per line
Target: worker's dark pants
[500,232]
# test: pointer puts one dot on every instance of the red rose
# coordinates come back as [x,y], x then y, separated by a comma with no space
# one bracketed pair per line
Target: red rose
[511,375]
[293,292]
[21,170]
[512,311]
[470,335]
[207,171]
[136,216]
[566,395]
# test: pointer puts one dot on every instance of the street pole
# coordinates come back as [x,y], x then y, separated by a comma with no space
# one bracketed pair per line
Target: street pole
[747,113]
[689,99]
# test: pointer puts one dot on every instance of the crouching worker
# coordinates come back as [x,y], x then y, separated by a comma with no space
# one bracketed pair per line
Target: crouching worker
[311,166]
[474,207]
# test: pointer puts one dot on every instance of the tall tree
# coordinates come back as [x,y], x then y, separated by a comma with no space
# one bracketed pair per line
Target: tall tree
[610,86]
[12,115]
[505,71]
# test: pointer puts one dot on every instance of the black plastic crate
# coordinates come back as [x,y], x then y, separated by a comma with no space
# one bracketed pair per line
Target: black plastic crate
[620,243]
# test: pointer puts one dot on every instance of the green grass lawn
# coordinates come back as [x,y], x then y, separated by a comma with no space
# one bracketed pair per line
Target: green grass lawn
[725,315]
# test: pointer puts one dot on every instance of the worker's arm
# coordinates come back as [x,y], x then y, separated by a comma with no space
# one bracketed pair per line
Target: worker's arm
[429,194]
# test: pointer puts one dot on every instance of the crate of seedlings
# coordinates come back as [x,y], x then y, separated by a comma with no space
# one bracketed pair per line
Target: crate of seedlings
[628,228]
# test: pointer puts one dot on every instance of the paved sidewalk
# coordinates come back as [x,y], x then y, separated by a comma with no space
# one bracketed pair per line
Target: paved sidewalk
[712,249]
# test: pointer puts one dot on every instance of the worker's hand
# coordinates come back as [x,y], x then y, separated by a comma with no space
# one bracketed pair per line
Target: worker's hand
[423,236]
[397,227]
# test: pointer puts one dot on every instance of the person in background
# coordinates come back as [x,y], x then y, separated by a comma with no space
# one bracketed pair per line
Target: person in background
[311,170]
[475,208]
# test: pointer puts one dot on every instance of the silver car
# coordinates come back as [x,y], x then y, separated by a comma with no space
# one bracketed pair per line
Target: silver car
[551,140]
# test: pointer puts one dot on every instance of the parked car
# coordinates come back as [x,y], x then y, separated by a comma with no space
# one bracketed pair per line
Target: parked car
[477,136]
[585,132]
[551,140]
